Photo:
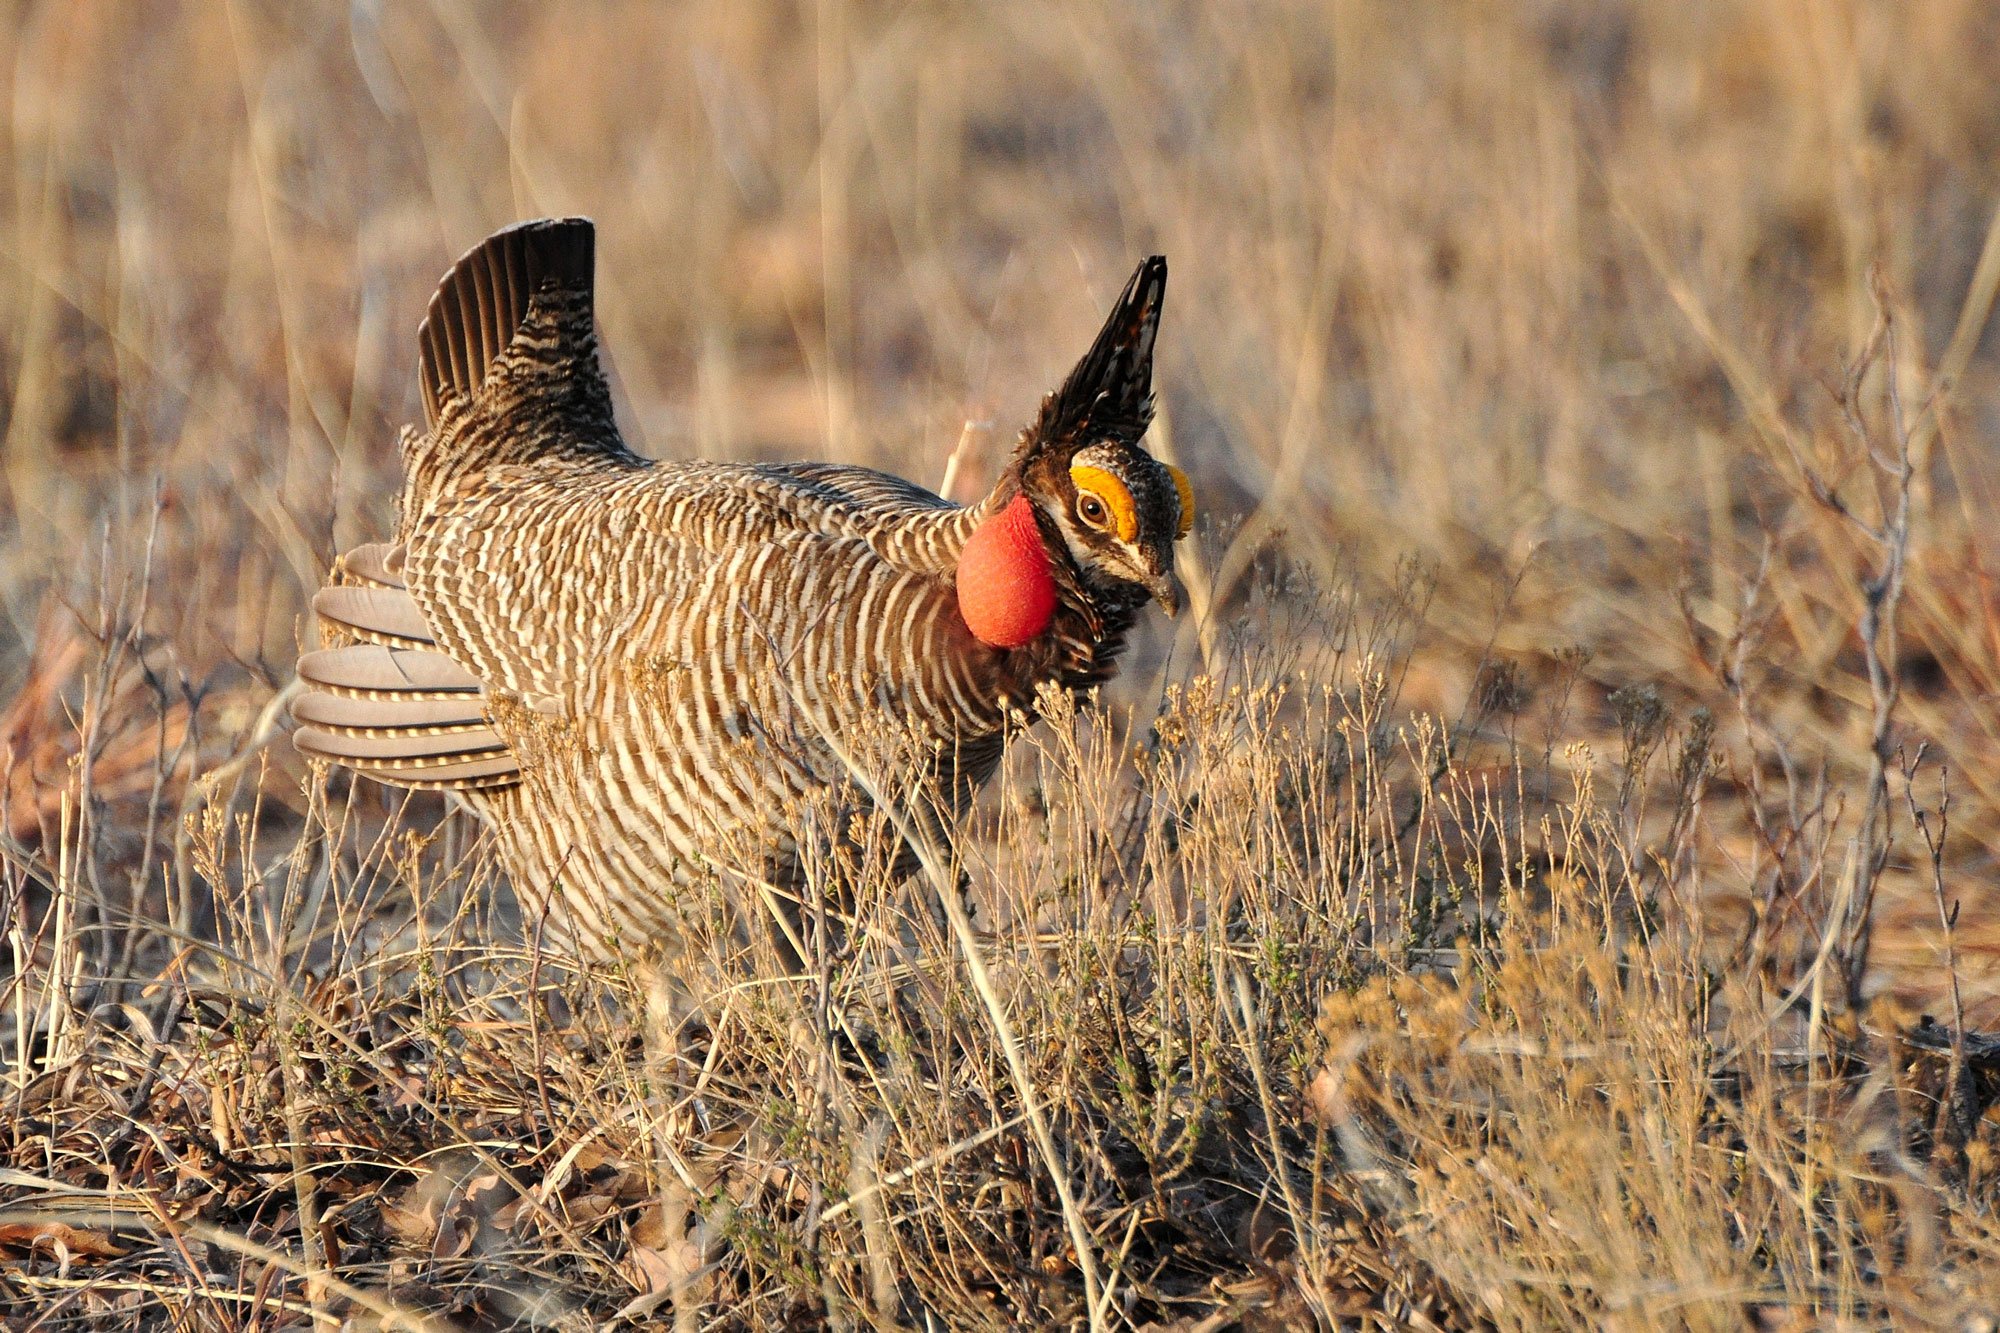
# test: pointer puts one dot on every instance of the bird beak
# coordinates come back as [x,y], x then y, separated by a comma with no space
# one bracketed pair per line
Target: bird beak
[1166,590]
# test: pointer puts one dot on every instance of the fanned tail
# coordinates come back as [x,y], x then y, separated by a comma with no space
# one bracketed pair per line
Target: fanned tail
[482,304]
[381,699]
[507,360]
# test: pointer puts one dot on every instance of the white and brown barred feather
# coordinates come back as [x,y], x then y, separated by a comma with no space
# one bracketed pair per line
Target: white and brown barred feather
[631,668]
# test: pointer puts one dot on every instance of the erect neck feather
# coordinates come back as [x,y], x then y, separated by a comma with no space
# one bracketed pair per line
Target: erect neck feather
[1006,590]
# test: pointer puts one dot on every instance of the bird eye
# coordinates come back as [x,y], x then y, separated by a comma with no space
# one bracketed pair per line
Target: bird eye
[1103,502]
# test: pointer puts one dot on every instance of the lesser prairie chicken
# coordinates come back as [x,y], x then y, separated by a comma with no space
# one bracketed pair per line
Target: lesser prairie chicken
[631,669]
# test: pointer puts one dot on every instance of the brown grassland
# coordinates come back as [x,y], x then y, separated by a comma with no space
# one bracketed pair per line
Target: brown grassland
[1546,882]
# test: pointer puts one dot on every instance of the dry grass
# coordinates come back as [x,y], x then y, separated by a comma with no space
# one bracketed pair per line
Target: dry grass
[1509,901]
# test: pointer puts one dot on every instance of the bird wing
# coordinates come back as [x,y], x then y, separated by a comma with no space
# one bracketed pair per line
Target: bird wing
[862,487]
[537,553]
[382,698]
[547,582]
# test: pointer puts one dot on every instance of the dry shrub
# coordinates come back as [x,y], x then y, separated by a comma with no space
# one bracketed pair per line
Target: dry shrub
[1577,1139]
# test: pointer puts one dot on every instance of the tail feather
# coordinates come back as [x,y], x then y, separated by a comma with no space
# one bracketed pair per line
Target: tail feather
[483,301]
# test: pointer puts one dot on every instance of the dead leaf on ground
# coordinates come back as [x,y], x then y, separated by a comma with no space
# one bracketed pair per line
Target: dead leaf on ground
[653,1270]
[27,1237]
[650,1227]
[412,1218]
[589,1209]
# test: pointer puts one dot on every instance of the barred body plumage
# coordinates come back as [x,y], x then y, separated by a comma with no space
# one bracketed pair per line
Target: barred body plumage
[632,669]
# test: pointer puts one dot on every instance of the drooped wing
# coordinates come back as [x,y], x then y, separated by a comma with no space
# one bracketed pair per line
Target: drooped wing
[381,698]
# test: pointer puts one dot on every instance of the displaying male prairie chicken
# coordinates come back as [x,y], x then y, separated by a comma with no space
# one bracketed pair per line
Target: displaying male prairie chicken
[632,669]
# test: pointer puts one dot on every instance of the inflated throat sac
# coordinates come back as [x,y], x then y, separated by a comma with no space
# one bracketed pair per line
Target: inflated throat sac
[1005,590]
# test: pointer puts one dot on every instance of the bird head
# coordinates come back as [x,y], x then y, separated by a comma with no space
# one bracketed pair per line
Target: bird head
[1085,488]
[1119,511]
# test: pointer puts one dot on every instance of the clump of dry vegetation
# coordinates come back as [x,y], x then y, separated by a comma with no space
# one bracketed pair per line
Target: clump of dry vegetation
[1544,884]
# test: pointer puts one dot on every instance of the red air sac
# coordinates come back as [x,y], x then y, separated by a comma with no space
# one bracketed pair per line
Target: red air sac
[1005,590]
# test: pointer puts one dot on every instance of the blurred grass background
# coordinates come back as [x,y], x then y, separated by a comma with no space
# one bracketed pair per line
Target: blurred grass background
[1549,297]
